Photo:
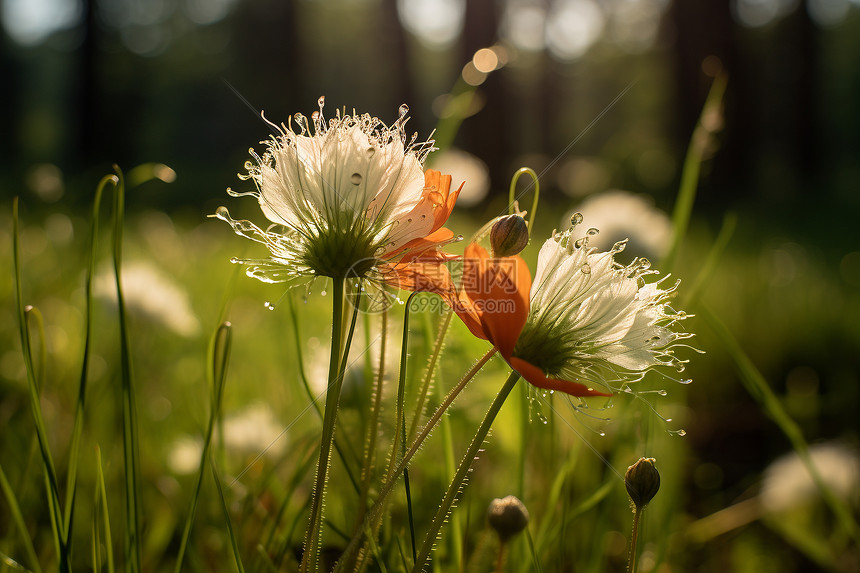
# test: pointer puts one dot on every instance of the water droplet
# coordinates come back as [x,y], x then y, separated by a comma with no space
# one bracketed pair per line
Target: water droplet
[459,237]
[409,220]
[575,219]
[315,116]
[687,381]
[579,243]
[602,434]
[322,293]
[586,269]
[592,231]
[269,305]
[222,213]
[234,260]
[355,178]
[371,151]
[681,433]
[662,392]
[321,102]
[644,264]
[619,246]
[404,109]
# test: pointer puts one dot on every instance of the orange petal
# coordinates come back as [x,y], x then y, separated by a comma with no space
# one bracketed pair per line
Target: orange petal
[417,246]
[535,377]
[497,290]
[437,190]
[503,297]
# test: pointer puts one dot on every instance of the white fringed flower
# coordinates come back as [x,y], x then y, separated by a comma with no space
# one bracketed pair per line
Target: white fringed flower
[347,198]
[591,318]
[585,321]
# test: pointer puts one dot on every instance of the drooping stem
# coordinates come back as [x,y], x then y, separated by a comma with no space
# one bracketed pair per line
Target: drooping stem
[332,399]
[456,484]
[375,513]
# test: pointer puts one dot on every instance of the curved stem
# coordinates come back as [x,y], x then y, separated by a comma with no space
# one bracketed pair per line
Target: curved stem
[456,485]
[512,200]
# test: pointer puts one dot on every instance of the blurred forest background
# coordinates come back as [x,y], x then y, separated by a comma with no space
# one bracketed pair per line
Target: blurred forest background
[181,82]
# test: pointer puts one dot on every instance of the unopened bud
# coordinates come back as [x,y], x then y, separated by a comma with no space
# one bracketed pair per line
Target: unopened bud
[509,236]
[507,516]
[642,480]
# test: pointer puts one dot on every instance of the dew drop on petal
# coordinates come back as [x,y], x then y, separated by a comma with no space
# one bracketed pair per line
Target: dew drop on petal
[355,178]
[321,101]
[234,260]
[586,269]
[371,151]
[592,231]
[576,219]
[619,246]
[222,213]
[404,109]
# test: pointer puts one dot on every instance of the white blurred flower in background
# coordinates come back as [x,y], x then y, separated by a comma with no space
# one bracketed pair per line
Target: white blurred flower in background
[623,215]
[151,293]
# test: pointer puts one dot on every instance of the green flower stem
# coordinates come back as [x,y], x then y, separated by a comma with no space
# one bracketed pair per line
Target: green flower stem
[428,374]
[332,399]
[634,538]
[374,515]
[456,485]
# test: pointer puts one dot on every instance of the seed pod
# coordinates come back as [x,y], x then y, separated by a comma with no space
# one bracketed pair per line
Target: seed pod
[642,480]
[509,236]
[507,516]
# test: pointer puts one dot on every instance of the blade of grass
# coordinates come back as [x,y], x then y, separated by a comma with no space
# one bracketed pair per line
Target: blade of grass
[78,424]
[51,488]
[101,495]
[759,389]
[226,511]
[131,451]
[730,221]
[219,354]
[691,169]
[18,518]
[369,463]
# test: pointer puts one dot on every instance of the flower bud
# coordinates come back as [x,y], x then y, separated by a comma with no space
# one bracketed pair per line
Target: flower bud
[507,516]
[509,236]
[642,480]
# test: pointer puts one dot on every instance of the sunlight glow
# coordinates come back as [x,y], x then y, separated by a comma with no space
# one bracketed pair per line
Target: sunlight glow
[30,22]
